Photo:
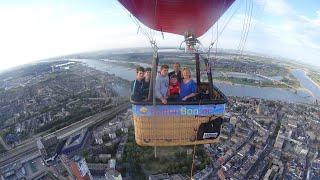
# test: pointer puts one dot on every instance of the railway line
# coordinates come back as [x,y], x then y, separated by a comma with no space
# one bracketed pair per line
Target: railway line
[31,147]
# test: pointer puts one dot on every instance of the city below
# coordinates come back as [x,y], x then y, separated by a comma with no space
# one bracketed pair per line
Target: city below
[71,118]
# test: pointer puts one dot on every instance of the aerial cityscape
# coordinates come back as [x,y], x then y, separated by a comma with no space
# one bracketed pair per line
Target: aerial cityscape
[160,90]
[71,118]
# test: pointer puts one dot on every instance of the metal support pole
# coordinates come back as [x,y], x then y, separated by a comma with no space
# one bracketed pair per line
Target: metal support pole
[197,67]
[154,70]
[209,73]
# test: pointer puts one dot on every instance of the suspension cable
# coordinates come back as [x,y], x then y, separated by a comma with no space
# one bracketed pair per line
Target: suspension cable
[195,146]
[244,26]
[147,32]
[247,28]
[193,158]
[213,41]
[246,35]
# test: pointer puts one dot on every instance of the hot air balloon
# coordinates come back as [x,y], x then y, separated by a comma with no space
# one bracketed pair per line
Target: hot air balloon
[180,123]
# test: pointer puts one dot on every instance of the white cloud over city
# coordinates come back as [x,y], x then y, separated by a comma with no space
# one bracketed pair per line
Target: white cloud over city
[292,35]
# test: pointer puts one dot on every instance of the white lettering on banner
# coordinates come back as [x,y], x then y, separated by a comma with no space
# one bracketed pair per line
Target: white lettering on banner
[193,110]
[188,112]
[210,135]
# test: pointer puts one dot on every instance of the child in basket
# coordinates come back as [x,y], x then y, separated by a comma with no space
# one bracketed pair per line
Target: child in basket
[174,88]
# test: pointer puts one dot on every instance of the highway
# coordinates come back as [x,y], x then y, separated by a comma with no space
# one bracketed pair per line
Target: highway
[30,147]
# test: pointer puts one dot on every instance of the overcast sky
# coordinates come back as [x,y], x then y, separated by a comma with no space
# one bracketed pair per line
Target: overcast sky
[37,29]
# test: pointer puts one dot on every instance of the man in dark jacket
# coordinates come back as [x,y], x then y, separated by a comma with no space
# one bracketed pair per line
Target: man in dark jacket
[138,85]
[176,71]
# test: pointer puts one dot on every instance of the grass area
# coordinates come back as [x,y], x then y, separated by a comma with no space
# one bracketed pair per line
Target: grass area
[250,82]
[124,64]
[140,162]
[315,77]
[292,81]
[276,71]
[169,159]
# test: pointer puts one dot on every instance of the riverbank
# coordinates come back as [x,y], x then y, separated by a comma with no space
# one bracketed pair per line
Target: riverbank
[232,80]
[306,82]
[254,83]
[229,89]
[314,78]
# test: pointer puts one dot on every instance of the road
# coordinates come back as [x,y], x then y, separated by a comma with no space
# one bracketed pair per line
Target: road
[269,146]
[31,147]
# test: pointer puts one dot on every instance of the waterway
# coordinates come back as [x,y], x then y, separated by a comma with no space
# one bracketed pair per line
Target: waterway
[278,94]
[306,82]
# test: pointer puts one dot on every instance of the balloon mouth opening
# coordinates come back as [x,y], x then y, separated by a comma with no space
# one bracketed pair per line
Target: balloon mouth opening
[191,41]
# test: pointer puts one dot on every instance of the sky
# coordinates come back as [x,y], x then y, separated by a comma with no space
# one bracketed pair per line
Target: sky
[38,29]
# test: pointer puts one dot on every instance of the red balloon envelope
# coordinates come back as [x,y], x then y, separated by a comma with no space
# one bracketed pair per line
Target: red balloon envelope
[178,16]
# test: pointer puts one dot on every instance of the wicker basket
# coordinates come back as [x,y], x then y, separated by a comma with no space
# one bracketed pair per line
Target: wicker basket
[169,130]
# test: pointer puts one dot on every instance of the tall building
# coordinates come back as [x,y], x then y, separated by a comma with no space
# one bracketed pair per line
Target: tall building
[77,167]
[259,109]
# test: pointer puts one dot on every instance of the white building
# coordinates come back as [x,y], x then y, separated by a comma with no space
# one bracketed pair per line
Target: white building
[112,174]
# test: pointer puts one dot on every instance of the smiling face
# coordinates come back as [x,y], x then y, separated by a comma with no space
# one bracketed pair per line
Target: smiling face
[176,67]
[173,80]
[164,72]
[140,75]
[147,74]
[186,73]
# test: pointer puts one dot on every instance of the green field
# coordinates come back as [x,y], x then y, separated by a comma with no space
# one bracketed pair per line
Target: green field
[251,82]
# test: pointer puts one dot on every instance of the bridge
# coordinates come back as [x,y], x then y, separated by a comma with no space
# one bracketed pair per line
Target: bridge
[273,80]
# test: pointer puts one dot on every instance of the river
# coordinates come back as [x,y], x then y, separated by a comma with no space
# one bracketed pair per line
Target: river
[306,82]
[281,94]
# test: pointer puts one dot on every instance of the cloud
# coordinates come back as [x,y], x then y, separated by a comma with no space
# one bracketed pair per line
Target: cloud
[278,7]
[29,34]
[293,36]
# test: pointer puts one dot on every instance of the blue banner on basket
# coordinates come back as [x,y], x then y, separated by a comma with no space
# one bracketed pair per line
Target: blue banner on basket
[178,110]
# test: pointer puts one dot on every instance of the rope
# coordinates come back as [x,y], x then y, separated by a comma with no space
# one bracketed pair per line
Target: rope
[195,146]
[193,157]
[221,31]
[217,35]
[149,35]
[217,38]
[246,28]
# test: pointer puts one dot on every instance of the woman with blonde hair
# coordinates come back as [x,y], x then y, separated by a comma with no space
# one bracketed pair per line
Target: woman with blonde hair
[188,87]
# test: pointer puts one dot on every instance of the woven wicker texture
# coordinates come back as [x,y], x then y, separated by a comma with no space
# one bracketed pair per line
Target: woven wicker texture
[169,130]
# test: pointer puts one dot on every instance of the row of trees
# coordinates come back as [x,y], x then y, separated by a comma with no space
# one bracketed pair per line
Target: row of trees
[137,158]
